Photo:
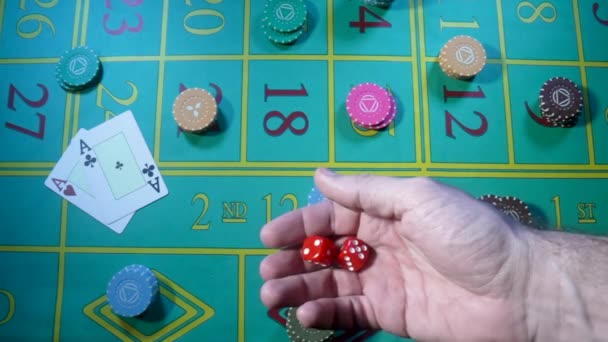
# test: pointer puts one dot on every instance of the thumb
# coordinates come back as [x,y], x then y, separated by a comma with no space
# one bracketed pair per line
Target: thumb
[385,197]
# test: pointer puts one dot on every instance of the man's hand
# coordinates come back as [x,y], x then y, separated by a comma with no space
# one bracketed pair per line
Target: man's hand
[446,266]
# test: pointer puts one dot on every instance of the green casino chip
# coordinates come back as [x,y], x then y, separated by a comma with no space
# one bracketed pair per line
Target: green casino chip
[78,67]
[285,15]
[378,3]
[299,333]
[284,38]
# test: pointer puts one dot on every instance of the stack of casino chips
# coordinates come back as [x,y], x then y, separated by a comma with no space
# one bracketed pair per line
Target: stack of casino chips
[78,69]
[510,206]
[378,3]
[561,102]
[284,21]
[462,57]
[298,333]
[371,106]
[132,291]
[195,110]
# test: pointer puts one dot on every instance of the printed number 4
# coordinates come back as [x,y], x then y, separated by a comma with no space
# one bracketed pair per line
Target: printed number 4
[362,24]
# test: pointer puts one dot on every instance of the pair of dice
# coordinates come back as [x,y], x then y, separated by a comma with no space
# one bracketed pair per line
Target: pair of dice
[320,250]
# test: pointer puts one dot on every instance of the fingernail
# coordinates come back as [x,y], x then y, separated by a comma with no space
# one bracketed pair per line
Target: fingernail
[328,172]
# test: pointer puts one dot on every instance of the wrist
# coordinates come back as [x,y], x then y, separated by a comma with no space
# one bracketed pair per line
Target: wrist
[555,306]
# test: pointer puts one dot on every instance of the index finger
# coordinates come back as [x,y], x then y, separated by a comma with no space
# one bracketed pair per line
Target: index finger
[326,219]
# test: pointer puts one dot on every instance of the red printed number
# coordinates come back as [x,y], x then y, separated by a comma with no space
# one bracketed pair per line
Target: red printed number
[461,94]
[124,26]
[449,118]
[596,9]
[286,121]
[362,24]
[284,92]
[539,119]
[32,104]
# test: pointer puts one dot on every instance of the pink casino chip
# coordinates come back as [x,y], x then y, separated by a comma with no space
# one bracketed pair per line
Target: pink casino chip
[368,104]
[391,116]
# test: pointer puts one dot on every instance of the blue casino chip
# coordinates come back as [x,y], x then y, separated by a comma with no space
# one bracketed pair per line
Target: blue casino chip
[315,196]
[132,290]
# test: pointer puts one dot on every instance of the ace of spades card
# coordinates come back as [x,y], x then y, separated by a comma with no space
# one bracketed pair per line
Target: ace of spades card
[68,180]
[120,167]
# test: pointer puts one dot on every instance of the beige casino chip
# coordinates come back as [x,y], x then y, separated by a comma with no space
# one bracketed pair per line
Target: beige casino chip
[194,110]
[462,57]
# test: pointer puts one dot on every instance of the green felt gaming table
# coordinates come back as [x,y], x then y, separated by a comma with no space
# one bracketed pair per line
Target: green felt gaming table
[202,240]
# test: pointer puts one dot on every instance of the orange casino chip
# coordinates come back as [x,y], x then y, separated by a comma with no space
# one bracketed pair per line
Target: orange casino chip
[195,110]
[462,57]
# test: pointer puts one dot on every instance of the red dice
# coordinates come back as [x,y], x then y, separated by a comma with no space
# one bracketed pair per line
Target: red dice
[354,254]
[319,250]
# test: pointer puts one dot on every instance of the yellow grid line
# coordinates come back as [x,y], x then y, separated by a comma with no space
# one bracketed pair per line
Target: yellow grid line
[583,70]
[416,85]
[533,62]
[506,86]
[399,172]
[277,170]
[39,165]
[425,97]
[245,86]
[184,58]
[49,60]
[331,131]
[161,78]
[60,270]
[2,11]
[242,285]
[64,203]
[243,159]
[139,250]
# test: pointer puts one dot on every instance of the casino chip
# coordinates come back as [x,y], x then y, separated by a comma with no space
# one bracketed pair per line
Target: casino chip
[298,333]
[462,57]
[285,15]
[78,68]
[510,206]
[195,110]
[561,102]
[284,38]
[369,105]
[131,291]
[391,116]
[378,3]
[284,21]
[315,196]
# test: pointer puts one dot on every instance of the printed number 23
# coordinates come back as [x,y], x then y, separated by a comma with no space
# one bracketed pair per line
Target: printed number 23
[123,26]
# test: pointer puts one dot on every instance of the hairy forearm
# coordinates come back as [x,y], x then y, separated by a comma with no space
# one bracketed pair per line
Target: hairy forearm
[568,287]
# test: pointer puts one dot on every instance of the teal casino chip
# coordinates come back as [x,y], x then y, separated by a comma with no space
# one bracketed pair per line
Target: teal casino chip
[378,3]
[298,333]
[286,15]
[283,38]
[132,290]
[78,67]
[315,196]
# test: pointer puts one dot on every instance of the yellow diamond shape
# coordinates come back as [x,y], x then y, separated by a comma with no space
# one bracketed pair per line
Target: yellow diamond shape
[174,329]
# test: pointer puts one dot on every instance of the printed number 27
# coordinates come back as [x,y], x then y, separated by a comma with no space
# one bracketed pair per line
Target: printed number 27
[32,104]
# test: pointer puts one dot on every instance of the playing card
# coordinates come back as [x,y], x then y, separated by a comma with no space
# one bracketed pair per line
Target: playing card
[68,179]
[122,173]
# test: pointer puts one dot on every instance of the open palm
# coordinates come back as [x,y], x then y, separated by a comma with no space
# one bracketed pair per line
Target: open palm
[445,267]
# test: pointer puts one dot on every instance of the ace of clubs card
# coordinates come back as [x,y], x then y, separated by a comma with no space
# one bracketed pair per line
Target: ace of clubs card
[68,179]
[120,167]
